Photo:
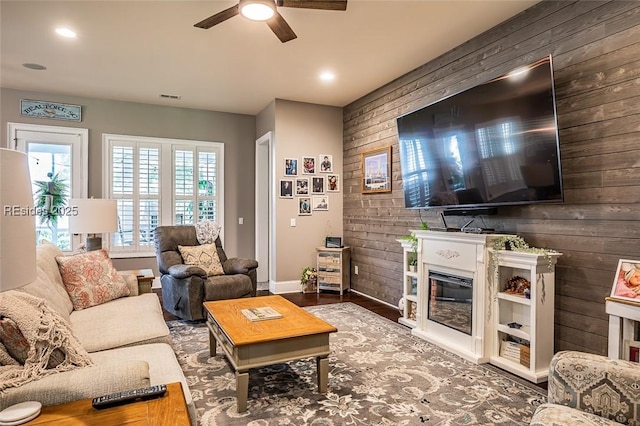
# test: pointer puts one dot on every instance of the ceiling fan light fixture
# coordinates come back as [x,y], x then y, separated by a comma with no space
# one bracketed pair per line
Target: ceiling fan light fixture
[257,10]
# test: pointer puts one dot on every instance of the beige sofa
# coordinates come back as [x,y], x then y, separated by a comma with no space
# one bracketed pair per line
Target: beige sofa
[127,339]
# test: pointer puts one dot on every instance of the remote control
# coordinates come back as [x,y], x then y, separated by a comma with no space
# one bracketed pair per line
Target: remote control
[120,398]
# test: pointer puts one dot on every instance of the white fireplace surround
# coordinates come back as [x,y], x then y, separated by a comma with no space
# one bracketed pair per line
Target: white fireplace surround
[466,255]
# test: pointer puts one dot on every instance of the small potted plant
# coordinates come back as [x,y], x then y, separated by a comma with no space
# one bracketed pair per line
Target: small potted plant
[413,261]
[309,280]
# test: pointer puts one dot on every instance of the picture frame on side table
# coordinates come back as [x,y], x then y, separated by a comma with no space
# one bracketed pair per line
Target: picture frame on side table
[626,283]
[376,170]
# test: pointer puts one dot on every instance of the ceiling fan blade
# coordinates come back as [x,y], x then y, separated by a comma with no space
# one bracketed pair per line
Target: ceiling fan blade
[280,28]
[315,4]
[218,17]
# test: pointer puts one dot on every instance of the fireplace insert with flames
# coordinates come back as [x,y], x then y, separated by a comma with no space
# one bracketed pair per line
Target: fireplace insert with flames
[450,301]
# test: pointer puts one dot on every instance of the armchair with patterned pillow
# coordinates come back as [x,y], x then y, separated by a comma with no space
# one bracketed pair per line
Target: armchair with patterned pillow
[194,268]
[587,389]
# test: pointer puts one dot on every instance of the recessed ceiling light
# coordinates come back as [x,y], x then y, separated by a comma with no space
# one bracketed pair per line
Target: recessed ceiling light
[327,76]
[37,67]
[65,32]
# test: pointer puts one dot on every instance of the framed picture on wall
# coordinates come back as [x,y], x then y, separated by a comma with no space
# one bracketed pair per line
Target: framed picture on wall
[326,163]
[320,202]
[302,186]
[317,185]
[291,167]
[333,183]
[304,206]
[308,165]
[286,188]
[626,283]
[376,170]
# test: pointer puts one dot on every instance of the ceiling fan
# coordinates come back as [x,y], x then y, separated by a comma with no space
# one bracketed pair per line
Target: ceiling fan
[266,10]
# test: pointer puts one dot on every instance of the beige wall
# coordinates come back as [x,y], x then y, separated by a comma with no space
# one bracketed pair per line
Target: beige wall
[303,129]
[237,132]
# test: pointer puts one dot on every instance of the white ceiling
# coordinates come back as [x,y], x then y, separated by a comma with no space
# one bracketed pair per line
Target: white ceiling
[136,50]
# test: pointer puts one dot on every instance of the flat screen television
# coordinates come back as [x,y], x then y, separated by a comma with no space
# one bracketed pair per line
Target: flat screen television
[492,145]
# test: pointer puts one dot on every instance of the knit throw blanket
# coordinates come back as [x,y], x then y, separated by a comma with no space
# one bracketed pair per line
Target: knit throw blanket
[46,331]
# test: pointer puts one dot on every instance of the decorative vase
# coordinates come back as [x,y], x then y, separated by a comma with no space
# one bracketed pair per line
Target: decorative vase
[311,286]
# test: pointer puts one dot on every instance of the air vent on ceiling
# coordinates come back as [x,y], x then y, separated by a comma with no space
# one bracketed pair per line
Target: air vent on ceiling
[162,95]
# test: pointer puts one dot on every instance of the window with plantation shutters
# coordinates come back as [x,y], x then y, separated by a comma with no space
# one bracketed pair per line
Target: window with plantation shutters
[160,182]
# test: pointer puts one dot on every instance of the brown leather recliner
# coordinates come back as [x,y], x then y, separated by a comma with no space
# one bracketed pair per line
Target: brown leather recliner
[186,287]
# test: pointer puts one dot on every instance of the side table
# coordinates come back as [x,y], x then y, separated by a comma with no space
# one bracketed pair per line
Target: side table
[145,278]
[168,410]
[622,316]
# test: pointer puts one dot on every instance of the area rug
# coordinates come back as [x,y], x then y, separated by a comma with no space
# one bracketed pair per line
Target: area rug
[378,375]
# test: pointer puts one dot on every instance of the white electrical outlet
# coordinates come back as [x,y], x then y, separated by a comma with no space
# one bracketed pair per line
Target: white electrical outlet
[355,269]
[293,222]
[240,220]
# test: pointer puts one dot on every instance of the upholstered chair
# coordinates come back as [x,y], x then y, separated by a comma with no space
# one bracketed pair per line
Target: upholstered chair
[590,390]
[186,286]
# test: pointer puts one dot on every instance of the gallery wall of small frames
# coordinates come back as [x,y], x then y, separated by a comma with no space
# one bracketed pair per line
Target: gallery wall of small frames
[309,181]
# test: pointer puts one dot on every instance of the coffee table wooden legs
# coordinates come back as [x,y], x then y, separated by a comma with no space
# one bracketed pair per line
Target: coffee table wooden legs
[322,365]
[242,390]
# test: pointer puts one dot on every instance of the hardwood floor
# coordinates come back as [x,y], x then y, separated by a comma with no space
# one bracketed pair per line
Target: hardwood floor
[313,299]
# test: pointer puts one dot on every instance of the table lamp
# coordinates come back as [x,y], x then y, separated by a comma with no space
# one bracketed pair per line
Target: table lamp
[17,222]
[17,248]
[94,217]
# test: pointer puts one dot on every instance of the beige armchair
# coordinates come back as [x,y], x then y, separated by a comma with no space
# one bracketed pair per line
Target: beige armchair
[587,389]
[186,287]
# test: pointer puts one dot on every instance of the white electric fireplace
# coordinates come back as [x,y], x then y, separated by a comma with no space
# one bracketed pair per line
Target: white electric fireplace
[454,307]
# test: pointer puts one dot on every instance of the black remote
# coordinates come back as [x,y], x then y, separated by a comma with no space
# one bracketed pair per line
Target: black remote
[120,398]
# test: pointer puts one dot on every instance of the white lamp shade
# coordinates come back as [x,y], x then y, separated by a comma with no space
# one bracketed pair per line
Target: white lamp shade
[93,215]
[17,222]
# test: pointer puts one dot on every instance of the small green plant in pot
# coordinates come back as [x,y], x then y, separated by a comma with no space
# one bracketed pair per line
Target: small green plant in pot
[309,279]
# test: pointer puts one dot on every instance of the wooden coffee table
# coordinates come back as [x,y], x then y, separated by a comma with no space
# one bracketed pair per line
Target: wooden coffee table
[251,344]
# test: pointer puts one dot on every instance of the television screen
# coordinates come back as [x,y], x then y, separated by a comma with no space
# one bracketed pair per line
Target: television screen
[492,145]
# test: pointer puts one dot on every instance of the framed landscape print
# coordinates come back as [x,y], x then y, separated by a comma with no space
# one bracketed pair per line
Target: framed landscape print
[286,188]
[333,183]
[626,283]
[317,185]
[290,166]
[304,206]
[302,186]
[376,170]
[320,202]
[308,165]
[326,163]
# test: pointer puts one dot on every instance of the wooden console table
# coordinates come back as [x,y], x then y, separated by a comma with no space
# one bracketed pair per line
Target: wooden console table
[622,316]
[168,410]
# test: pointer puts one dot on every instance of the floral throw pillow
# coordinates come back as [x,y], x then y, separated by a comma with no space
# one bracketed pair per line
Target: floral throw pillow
[207,231]
[205,256]
[18,346]
[90,279]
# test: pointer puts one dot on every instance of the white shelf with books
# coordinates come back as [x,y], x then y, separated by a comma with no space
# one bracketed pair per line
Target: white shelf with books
[523,311]
[409,304]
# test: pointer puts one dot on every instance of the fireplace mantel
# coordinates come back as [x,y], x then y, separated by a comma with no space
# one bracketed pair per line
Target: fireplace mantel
[461,254]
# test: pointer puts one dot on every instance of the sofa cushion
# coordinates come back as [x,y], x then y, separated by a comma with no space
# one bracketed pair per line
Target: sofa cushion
[17,345]
[121,322]
[48,284]
[163,365]
[91,279]
[204,256]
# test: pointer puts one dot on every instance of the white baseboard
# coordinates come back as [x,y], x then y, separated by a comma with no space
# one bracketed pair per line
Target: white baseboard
[283,287]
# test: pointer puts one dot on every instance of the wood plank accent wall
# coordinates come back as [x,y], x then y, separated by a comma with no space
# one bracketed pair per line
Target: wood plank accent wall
[596,58]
